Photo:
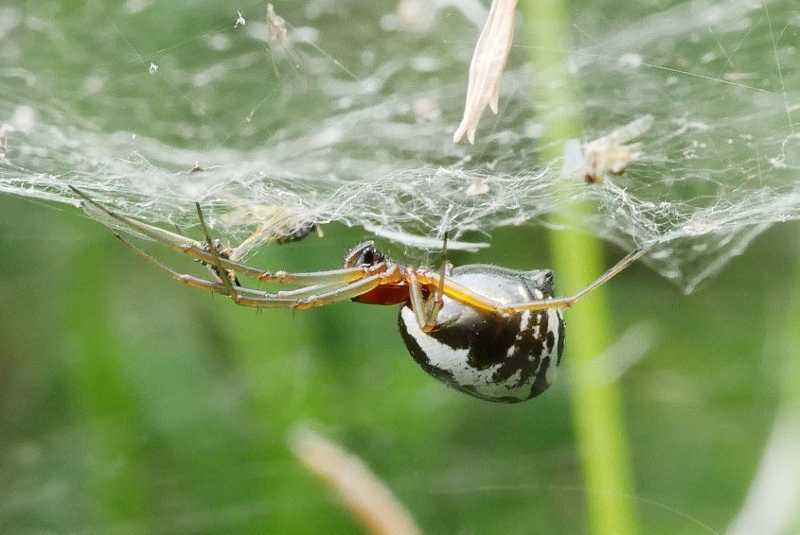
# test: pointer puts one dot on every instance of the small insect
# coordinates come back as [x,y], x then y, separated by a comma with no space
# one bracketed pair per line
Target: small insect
[610,153]
[493,333]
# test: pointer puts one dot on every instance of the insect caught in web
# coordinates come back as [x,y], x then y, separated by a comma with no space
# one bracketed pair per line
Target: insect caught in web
[490,332]
[611,153]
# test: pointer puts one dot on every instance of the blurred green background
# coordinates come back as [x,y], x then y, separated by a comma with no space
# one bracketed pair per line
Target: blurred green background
[130,403]
[133,404]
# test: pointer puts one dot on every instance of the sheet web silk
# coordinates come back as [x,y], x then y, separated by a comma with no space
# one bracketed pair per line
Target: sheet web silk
[350,119]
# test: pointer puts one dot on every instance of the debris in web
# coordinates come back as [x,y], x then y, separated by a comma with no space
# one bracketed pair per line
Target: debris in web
[486,68]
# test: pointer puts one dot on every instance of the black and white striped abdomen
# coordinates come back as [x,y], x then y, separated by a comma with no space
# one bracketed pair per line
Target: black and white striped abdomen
[497,358]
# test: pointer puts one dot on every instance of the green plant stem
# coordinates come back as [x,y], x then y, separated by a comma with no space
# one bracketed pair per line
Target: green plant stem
[790,370]
[789,401]
[577,260]
[597,407]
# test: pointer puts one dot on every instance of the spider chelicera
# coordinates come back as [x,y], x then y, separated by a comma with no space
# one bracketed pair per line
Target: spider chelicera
[493,333]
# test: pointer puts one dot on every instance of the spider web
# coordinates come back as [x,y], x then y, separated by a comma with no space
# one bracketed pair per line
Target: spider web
[349,119]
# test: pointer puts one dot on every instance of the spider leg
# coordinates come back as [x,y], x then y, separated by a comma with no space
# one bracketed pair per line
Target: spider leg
[342,293]
[427,310]
[564,302]
[437,298]
[195,282]
[299,299]
[455,291]
[224,274]
[308,291]
[486,305]
[201,252]
[417,302]
[178,242]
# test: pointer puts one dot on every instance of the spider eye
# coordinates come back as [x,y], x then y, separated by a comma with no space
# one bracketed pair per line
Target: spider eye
[364,254]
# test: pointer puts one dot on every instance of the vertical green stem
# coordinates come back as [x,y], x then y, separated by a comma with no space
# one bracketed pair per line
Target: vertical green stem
[790,370]
[789,401]
[597,407]
[577,260]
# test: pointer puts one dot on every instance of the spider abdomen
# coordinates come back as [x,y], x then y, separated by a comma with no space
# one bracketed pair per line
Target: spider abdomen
[502,358]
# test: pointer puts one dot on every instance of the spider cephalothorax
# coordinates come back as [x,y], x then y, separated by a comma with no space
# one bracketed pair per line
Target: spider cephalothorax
[490,332]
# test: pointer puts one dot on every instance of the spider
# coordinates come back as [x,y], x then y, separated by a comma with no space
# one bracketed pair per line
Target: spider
[490,332]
